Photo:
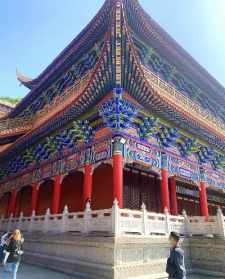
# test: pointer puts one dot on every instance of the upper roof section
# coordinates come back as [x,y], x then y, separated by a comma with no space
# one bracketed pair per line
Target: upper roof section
[156,50]
[87,38]
[164,56]
[122,47]
[123,43]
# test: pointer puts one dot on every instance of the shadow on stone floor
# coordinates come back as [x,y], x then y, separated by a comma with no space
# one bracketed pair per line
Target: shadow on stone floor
[34,272]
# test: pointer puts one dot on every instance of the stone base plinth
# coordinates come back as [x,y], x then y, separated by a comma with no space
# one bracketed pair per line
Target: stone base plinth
[208,256]
[137,257]
[85,257]
[121,257]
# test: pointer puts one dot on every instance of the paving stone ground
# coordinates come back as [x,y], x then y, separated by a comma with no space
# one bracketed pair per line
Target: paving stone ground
[34,272]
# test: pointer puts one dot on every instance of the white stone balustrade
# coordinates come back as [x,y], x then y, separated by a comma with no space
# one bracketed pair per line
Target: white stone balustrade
[116,221]
[200,226]
[221,223]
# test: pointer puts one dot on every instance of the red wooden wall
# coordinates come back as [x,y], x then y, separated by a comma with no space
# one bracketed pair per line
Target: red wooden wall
[45,197]
[102,193]
[191,205]
[140,187]
[23,201]
[71,192]
[4,203]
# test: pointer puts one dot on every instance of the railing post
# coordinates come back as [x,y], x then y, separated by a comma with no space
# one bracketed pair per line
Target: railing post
[220,223]
[144,219]
[9,222]
[115,218]
[186,221]
[167,215]
[56,194]
[2,218]
[2,223]
[20,220]
[87,216]
[46,221]
[30,228]
[64,219]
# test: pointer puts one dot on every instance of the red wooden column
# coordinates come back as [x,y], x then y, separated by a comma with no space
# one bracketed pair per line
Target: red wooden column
[87,184]
[12,203]
[165,198]
[56,194]
[34,198]
[173,196]
[203,195]
[118,170]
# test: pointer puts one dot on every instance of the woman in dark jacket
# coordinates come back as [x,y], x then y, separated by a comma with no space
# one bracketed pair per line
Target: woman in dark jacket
[13,254]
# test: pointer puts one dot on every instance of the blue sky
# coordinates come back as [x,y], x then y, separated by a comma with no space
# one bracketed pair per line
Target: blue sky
[33,32]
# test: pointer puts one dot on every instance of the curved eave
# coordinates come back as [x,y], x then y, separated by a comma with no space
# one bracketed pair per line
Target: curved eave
[152,32]
[24,80]
[99,81]
[78,44]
